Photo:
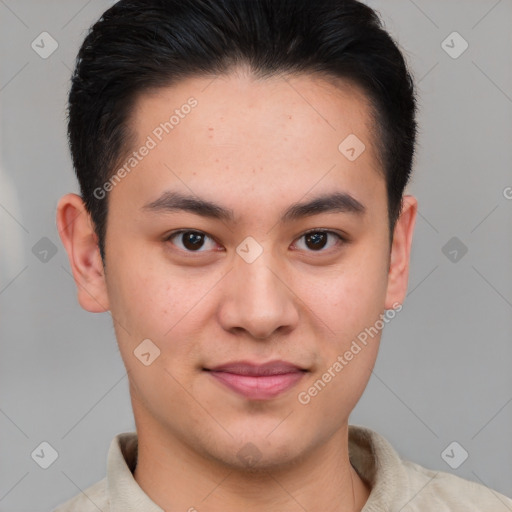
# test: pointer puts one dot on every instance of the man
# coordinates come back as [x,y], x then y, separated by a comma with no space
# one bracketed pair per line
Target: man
[242,216]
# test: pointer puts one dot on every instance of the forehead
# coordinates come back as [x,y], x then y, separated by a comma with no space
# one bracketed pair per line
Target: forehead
[243,107]
[235,134]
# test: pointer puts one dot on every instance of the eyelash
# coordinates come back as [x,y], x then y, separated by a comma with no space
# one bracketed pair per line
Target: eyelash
[341,239]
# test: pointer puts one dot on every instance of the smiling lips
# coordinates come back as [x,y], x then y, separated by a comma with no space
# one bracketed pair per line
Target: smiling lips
[258,382]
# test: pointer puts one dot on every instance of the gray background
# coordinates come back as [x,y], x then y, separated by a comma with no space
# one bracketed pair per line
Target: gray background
[443,372]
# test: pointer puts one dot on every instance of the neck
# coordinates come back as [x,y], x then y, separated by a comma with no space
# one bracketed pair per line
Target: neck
[176,477]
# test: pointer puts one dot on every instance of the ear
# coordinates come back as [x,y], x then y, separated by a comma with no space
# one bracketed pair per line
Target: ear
[81,243]
[398,274]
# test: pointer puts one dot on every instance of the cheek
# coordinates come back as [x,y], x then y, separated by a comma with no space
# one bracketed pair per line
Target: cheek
[349,306]
[350,296]
[151,299]
[140,288]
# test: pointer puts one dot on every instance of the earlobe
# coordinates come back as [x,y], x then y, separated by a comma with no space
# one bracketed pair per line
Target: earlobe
[398,274]
[80,241]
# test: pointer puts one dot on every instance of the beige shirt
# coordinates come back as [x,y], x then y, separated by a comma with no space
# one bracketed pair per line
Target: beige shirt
[396,484]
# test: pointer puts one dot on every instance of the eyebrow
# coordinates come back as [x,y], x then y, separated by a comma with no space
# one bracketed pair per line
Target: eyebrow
[336,202]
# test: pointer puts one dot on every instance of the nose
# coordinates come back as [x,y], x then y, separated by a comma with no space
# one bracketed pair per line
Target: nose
[258,300]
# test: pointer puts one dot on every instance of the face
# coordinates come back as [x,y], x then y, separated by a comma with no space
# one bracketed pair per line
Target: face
[253,279]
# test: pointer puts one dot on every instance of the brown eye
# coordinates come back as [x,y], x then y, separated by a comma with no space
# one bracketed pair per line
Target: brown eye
[317,240]
[191,241]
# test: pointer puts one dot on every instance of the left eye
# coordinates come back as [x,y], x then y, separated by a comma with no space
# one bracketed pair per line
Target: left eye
[315,240]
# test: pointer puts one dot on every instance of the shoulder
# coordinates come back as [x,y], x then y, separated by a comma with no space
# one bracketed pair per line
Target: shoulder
[400,484]
[92,499]
[449,492]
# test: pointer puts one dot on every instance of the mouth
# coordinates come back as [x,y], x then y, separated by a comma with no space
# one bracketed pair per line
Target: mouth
[257,381]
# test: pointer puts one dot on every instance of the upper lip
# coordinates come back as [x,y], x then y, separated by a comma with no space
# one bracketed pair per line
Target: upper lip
[254,369]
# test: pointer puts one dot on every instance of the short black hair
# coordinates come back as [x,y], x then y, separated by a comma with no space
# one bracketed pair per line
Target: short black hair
[139,45]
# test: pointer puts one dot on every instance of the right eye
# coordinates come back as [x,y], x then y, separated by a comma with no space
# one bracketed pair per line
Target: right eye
[191,240]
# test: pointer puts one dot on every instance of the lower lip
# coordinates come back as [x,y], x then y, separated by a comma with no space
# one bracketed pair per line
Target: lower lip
[258,388]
